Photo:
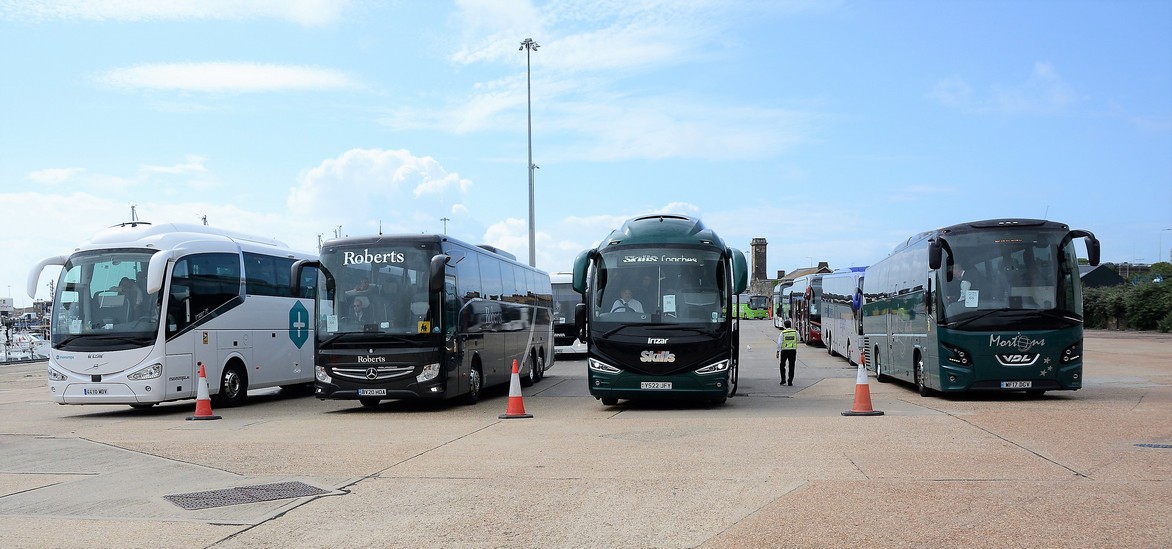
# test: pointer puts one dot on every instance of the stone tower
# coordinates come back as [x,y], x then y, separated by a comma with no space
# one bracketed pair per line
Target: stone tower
[759,260]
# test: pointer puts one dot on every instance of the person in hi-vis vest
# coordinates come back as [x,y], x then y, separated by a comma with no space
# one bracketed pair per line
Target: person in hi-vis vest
[787,351]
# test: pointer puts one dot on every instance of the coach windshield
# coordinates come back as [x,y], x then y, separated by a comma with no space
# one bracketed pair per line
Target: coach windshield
[994,276]
[101,304]
[378,290]
[660,285]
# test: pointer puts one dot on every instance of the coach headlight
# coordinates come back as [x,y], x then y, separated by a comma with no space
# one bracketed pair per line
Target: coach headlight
[150,372]
[430,371]
[1072,353]
[54,375]
[599,366]
[713,368]
[957,355]
[320,373]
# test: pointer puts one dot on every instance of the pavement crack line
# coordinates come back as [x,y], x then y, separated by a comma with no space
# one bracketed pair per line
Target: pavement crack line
[1013,443]
[1138,402]
[857,468]
[378,474]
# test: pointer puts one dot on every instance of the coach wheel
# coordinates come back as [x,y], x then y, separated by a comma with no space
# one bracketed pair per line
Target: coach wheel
[1035,392]
[369,402]
[233,387]
[143,406]
[879,375]
[609,401]
[920,382]
[530,376]
[734,380]
[474,384]
[540,367]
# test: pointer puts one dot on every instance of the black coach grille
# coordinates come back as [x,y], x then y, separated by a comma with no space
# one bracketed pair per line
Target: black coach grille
[374,373]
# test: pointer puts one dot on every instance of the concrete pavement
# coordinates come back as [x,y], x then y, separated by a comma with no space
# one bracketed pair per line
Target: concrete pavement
[776,466]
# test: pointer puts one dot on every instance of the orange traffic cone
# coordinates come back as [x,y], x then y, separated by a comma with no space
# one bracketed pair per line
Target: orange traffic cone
[516,408]
[862,395]
[203,403]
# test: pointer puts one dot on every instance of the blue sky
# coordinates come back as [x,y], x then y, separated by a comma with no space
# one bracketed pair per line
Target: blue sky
[833,129]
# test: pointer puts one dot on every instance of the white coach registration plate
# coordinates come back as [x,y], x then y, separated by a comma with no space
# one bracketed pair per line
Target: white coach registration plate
[94,391]
[655,385]
[1016,384]
[372,392]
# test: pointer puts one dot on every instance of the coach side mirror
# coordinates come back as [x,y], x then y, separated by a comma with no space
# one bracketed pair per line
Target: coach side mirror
[934,253]
[928,297]
[295,273]
[580,320]
[435,280]
[1091,242]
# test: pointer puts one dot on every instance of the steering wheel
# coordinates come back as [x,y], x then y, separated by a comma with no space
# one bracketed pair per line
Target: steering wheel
[620,309]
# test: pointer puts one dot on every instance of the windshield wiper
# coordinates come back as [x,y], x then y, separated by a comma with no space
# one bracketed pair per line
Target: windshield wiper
[975,317]
[380,336]
[67,340]
[615,330]
[680,327]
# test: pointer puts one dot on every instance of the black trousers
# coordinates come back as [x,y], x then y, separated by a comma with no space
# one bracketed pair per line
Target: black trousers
[790,356]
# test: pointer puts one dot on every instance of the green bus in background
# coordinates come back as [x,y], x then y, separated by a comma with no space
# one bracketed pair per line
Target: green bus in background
[676,336]
[753,307]
[990,305]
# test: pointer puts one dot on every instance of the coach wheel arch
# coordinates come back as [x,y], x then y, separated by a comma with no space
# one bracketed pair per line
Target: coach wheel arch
[233,384]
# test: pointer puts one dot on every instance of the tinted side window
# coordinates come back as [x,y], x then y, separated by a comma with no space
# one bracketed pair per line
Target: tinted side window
[199,285]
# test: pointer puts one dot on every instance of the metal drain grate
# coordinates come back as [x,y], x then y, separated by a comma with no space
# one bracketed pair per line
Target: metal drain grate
[1146,445]
[244,494]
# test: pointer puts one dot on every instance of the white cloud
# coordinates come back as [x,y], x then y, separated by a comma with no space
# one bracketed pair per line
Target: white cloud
[1044,92]
[54,176]
[407,192]
[952,92]
[301,12]
[588,50]
[194,164]
[223,77]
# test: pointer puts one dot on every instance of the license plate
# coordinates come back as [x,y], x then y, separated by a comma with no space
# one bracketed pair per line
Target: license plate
[655,385]
[1016,384]
[94,391]
[372,392]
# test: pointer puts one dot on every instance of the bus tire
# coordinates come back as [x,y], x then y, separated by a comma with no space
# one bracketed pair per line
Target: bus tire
[233,387]
[369,402]
[540,366]
[143,406]
[475,381]
[921,385]
[1035,393]
[530,376]
[829,344]
[879,375]
[609,401]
